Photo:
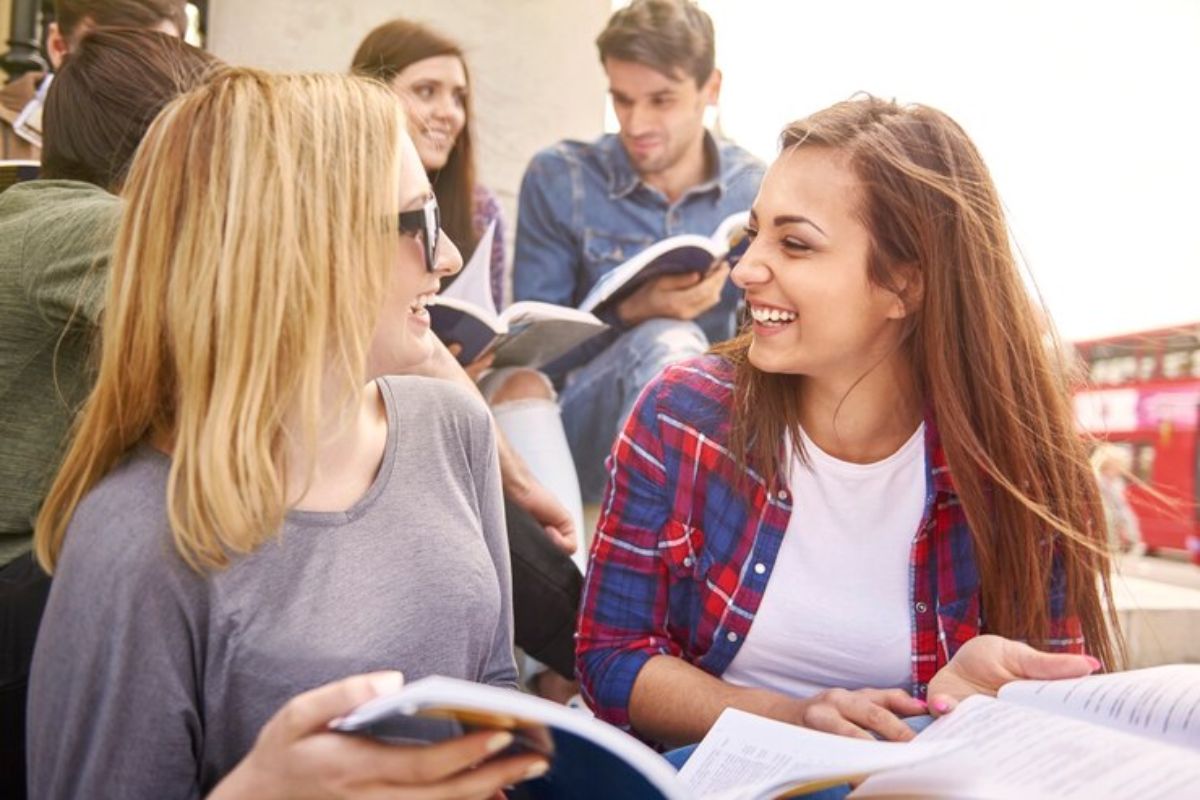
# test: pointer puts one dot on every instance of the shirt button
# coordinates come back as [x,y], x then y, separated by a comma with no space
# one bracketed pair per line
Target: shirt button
[731,636]
[687,561]
[922,688]
[922,608]
[760,568]
[783,495]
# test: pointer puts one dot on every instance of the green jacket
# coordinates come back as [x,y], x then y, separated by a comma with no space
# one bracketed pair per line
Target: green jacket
[55,238]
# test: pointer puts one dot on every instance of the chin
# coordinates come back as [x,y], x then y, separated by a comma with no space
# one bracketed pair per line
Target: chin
[433,159]
[771,361]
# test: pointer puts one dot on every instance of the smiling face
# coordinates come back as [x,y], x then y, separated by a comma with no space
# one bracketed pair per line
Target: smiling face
[434,91]
[662,118]
[805,274]
[402,338]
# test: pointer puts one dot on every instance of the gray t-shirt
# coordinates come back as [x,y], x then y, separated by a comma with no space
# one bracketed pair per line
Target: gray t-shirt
[151,681]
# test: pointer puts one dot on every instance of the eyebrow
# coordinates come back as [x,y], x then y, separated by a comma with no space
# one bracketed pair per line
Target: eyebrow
[791,219]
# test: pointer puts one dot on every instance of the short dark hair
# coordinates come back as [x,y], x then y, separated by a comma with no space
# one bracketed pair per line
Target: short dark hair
[108,91]
[119,14]
[665,35]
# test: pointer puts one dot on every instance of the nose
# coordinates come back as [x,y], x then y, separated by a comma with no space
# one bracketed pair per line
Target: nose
[751,270]
[636,119]
[449,259]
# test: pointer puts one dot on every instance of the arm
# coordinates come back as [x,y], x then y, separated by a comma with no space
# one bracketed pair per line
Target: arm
[547,261]
[500,669]
[517,480]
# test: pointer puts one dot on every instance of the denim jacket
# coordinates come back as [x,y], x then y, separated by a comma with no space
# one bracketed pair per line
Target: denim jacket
[584,210]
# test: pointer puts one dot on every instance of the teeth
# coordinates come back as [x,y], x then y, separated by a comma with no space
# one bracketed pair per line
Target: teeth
[424,300]
[768,316]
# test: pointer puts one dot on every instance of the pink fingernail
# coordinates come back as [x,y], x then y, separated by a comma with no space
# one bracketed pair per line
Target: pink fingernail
[1094,662]
[921,703]
[941,706]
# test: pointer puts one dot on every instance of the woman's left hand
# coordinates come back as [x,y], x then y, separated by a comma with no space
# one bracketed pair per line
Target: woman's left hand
[985,663]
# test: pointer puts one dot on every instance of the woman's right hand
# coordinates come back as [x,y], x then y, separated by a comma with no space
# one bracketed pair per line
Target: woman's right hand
[860,712]
[297,756]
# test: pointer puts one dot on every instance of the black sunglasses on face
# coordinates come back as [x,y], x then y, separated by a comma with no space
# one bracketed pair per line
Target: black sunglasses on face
[425,225]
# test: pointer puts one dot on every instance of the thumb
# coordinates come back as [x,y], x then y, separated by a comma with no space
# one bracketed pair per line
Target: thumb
[314,710]
[1030,664]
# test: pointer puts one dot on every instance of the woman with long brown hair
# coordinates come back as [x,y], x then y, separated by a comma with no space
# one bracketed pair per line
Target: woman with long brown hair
[428,71]
[819,520]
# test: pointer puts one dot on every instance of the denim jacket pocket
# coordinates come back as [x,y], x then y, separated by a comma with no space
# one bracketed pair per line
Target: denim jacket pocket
[603,251]
[682,548]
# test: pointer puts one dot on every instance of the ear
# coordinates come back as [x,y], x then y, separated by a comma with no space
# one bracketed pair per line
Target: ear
[910,291]
[56,45]
[710,92]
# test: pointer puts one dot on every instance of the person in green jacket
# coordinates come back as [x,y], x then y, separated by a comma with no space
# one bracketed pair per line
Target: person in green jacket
[55,235]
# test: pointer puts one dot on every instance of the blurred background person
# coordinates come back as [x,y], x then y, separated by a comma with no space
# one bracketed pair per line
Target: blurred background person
[1111,466]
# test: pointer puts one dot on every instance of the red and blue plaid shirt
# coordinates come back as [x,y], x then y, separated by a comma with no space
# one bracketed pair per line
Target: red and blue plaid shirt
[685,547]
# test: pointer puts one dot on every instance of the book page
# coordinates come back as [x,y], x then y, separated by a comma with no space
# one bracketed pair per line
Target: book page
[1016,751]
[474,281]
[748,756]
[1162,703]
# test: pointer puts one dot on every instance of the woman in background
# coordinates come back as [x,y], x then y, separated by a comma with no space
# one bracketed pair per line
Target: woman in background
[429,73]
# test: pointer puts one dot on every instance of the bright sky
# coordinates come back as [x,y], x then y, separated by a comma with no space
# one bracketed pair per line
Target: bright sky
[1088,114]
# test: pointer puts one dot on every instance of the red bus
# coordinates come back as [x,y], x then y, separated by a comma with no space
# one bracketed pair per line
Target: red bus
[1142,393]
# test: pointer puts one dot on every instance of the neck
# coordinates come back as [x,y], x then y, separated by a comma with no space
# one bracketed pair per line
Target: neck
[862,420]
[692,169]
[348,453]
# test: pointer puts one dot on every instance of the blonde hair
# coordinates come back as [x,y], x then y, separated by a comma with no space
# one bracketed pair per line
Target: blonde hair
[245,281]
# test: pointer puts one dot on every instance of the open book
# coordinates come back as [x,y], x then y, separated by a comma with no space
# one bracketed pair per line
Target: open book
[526,334]
[592,759]
[1124,735]
[679,254]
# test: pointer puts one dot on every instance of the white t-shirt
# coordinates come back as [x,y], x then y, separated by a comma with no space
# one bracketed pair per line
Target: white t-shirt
[836,609]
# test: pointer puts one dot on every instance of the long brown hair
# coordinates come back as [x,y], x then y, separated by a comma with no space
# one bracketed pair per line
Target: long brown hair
[103,99]
[383,55]
[979,351]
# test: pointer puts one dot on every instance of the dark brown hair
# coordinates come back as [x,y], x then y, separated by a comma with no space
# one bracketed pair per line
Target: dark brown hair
[108,91]
[383,55]
[665,35]
[978,349]
[119,13]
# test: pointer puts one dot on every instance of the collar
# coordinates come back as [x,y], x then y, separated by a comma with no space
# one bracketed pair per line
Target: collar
[623,178]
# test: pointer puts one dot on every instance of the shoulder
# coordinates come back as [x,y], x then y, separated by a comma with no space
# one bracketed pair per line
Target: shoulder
[436,404]
[741,170]
[55,203]
[697,392]
[568,153]
[484,204]
[121,527]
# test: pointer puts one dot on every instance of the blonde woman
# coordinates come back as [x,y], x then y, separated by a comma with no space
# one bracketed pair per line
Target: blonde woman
[247,510]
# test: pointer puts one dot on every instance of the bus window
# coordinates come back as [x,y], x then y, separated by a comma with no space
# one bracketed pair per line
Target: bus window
[1147,366]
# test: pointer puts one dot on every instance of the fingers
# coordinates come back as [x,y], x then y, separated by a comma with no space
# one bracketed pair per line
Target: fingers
[455,348]
[681,280]
[857,714]
[417,765]
[486,780]
[940,704]
[1036,665]
[566,542]
[900,702]
[313,710]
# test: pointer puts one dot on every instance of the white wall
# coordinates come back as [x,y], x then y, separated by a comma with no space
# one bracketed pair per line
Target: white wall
[533,62]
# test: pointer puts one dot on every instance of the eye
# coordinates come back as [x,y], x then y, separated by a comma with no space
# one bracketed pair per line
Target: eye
[460,99]
[795,245]
[751,233]
[423,91]
[663,102]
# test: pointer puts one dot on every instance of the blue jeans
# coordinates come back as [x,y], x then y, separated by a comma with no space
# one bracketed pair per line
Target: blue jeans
[598,396]
[679,757]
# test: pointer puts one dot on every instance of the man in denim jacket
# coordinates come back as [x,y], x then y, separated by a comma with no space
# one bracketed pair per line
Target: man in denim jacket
[587,207]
